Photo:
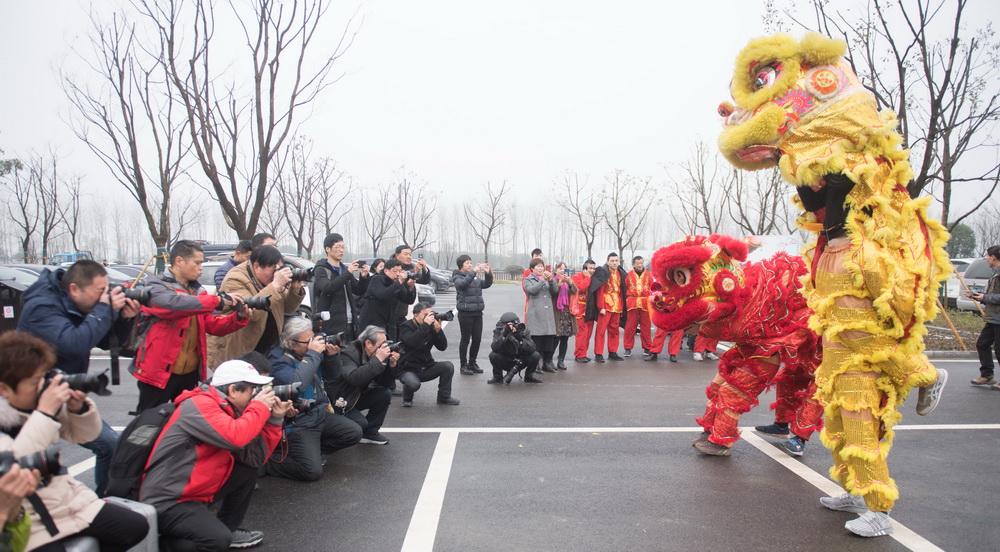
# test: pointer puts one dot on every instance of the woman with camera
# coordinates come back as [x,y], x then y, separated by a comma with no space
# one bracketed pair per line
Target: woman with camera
[565,319]
[469,284]
[539,317]
[35,412]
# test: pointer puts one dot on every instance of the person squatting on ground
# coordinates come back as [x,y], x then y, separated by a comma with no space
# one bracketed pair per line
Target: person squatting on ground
[384,295]
[539,310]
[315,430]
[35,412]
[513,350]
[74,311]
[583,326]
[990,336]
[469,282]
[171,356]
[564,301]
[878,258]
[239,256]
[362,383]
[419,335]
[210,451]
[606,306]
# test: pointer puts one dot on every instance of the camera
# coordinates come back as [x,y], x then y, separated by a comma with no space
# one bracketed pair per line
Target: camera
[333,339]
[395,346]
[88,383]
[288,392]
[141,295]
[303,274]
[446,316]
[411,275]
[361,263]
[262,302]
[304,406]
[519,327]
[45,461]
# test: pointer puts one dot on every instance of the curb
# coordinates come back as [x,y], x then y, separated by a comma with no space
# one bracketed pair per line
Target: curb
[971,355]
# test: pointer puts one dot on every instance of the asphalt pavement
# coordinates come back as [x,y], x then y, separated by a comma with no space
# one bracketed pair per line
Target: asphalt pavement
[599,458]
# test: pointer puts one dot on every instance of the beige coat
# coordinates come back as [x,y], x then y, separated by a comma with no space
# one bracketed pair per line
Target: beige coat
[240,342]
[72,505]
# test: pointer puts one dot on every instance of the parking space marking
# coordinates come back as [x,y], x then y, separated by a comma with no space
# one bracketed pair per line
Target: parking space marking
[902,534]
[427,513]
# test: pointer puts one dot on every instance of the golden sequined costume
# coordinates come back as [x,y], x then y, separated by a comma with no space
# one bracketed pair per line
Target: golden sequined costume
[878,257]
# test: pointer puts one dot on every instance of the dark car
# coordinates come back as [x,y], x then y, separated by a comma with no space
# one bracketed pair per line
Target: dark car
[13,283]
[114,276]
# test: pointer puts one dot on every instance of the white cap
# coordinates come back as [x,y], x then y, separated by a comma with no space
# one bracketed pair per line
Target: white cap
[235,371]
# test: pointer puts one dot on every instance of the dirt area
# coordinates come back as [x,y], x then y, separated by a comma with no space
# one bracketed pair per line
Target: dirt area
[941,338]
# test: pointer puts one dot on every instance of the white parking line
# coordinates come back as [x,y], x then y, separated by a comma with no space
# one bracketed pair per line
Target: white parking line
[427,513]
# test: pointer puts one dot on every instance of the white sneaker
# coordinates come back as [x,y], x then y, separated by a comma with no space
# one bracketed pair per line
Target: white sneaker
[711,356]
[697,356]
[871,524]
[845,503]
[929,397]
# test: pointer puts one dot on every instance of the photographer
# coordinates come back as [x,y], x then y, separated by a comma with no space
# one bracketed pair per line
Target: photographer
[171,356]
[334,287]
[385,293]
[469,284]
[16,485]
[261,276]
[74,311]
[421,275]
[365,361]
[240,256]
[36,413]
[416,365]
[513,350]
[315,431]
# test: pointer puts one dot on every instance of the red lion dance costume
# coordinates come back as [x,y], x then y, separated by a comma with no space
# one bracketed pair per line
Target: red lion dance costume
[760,308]
[877,260]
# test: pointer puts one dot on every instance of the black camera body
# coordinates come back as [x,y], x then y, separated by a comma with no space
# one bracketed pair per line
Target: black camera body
[262,302]
[45,461]
[446,316]
[88,383]
[141,295]
[411,275]
[518,327]
[395,346]
[303,274]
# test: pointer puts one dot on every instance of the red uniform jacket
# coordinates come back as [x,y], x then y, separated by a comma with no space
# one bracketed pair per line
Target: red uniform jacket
[637,290]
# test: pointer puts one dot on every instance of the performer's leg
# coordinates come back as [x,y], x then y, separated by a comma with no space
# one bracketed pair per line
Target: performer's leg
[614,329]
[676,341]
[745,379]
[630,325]
[583,329]
[602,331]
[645,328]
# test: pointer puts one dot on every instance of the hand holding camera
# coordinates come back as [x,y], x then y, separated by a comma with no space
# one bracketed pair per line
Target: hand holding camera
[383,351]
[318,344]
[282,277]
[282,408]
[56,393]
[266,397]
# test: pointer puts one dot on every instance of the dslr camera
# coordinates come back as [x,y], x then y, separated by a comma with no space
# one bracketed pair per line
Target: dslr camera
[141,295]
[45,461]
[303,274]
[333,339]
[262,302]
[288,392]
[88,383]
[519,327]
[446,316]
[395,346]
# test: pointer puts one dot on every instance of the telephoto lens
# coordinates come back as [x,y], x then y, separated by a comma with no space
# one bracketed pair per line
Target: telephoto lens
[446,316]
[141,295]
[288,392]
[334,339]
[45,461]
[88,383]
[304,406]
[303,274]
[262,302]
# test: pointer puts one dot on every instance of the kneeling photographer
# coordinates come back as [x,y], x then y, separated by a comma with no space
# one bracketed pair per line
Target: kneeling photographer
[35,411]
[418,335]
[364,361]
[513,350]
[315,430]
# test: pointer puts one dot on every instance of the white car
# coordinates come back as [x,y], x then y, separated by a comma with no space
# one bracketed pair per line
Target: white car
[977,275]
[952,287]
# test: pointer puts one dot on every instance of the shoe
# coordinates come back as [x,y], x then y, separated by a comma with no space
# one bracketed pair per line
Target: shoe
[628,353]
[375,439]
[614,356]
[532,379]
[929,397]
[845,503]
[547,366]
[982,380]
[245,538]
[407,403]
[703,437]
[871,524]
[774,430]
[450,401]
[673,358]
[645,351]
[794,446]
[710,448]
[995,387]
[475,367]
[466,370]
[599,359]
[396,392]
[561,364]
[651,357]
[583,359]
[495,379]
[697,357]
[711,356]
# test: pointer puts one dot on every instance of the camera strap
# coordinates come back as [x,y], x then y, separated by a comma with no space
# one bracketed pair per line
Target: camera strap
[43,513]
[115,350]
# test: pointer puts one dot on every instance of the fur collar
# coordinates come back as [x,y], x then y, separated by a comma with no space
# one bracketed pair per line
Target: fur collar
[10,417]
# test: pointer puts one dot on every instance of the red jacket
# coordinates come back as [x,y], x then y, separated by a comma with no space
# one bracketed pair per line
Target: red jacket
[582,281]
[637,290]
[179,472]
[170,310]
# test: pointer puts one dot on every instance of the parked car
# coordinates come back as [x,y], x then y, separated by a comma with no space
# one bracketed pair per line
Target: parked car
[66,259]
[952,288]
[12,285]
[425,294]
[440,278]
[977,275]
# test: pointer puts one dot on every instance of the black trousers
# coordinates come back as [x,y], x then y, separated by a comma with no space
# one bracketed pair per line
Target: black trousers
[443,371]
[376,401]
[563,346]
[503,364]
[116,527]
[190,526]
[151,396]
[546,345]
[989,337]
[300,455]
[471,326]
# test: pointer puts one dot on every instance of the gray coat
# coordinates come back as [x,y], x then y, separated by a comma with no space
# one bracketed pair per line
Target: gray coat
[540,316]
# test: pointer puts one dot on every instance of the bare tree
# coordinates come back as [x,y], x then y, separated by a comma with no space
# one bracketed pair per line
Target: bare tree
[627,206]
[487,215]
[759,203]
[376,214]
[71,211]
[699,193]
[22,203]
[987,225]
[584,205]
[296,188]
[333,190]
[413,207]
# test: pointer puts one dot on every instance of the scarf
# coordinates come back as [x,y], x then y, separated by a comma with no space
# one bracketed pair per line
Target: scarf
[563,301]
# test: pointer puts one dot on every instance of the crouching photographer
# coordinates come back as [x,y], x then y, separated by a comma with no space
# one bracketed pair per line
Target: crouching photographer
[419,335]
[315,430]
[513,350]
[35,412]
[364,361]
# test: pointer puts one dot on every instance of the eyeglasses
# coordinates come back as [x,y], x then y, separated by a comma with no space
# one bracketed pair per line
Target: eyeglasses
[300,342]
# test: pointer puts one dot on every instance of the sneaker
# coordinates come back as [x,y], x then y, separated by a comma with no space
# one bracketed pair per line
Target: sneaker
[495,379]
[599,358]
[628,353]
[583,359]
[711,356]
[845,503]
[929,397]
[773,430]
[645,351]
[396,392]
[871,524]
[244,538]
[995,387]
[376,439]
[697,357]
[450,401]
[465,370]
[614,356]
[407,403]
[474,366]
[673,358]
[703,437]
[982,380]
[794,446]
[650,357]
[710,448]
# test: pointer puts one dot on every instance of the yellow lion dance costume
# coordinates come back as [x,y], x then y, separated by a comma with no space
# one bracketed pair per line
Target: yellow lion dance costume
[877,260]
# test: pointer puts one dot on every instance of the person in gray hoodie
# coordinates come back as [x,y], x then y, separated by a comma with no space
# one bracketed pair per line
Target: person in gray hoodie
[469,282]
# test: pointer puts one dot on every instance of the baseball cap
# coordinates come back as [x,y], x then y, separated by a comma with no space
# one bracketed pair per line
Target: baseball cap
[235,371]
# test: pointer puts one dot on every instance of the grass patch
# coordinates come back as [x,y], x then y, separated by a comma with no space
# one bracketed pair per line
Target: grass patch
[939,334]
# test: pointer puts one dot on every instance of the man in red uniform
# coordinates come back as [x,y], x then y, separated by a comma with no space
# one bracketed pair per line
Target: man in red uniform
[637,289]
[606,305]
[583,326]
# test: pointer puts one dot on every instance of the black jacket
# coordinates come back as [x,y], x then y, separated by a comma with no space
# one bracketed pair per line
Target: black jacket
[335,293]
[417,342]
[600,277]
[357,372]
[423,277]
[514,345]
[381,301]
[469,290]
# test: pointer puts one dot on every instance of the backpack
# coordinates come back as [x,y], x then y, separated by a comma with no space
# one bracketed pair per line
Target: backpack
[135,445]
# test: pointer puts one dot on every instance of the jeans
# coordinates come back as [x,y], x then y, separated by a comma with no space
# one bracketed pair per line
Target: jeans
[471,326]
[411,380]
[299,457]
[989,337]
[376,402]
[102,447]
[191,526]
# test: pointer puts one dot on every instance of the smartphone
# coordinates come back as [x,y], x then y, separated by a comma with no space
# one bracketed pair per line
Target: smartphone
[420,255]
[361,263]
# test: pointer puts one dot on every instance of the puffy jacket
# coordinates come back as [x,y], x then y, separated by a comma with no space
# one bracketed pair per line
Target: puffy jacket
[50,315]
[514,345]
[469,290]
[224,268]
[417,342]
[335,293]
[171,307]
[195,453]
[288,368]
[72,505]
[357,372]
[382,299]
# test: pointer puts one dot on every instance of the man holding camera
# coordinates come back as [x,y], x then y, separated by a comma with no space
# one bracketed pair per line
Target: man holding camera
[334,287]
[366,360]
[386,292]
[171,356]
[416,365]
[420,274]
[513,350]
[314,431]
[211,450]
